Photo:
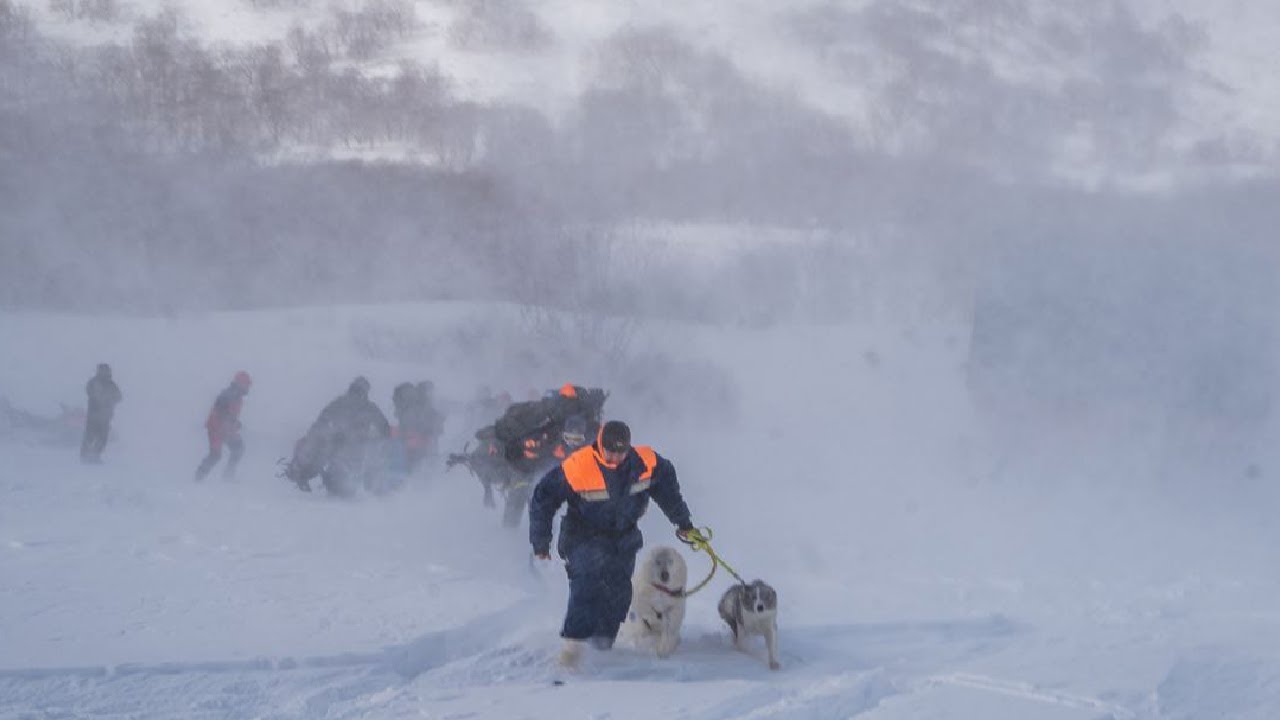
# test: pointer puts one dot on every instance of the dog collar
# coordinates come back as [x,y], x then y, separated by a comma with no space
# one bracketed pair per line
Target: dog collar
[678,592]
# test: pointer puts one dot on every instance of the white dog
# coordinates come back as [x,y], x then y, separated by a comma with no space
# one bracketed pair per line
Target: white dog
[658,599]
[752,610]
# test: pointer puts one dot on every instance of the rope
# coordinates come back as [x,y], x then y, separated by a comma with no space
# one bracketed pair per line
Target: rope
[700,540]
[702,584]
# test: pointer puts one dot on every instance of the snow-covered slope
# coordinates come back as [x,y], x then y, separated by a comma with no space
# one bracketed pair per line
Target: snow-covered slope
[925,567]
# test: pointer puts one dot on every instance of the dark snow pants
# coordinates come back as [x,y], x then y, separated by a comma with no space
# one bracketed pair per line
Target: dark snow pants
[599,571]
[96,432]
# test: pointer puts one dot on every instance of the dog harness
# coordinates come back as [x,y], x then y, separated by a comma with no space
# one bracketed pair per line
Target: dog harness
[582,471]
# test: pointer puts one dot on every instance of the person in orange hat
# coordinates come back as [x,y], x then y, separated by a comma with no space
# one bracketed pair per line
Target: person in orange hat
[223,425]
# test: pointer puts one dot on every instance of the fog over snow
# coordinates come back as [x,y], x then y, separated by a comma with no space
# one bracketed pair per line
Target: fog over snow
[958,321]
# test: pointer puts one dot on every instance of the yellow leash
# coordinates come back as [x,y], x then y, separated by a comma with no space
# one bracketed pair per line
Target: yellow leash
[700,540]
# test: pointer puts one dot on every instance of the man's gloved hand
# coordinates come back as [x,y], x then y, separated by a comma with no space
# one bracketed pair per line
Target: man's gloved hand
[541,554]
[691,535]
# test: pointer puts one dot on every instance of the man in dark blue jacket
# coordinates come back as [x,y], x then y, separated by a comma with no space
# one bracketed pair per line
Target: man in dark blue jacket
[607,486]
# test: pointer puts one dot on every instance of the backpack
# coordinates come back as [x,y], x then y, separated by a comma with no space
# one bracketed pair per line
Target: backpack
[592,403]
[522,420]
[589,405]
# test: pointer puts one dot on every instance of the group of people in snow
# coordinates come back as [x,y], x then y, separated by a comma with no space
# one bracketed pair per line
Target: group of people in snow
[349,428]
[222,424]
[545,453]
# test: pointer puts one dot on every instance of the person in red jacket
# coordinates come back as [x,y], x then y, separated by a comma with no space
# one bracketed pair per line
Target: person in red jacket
[224,427]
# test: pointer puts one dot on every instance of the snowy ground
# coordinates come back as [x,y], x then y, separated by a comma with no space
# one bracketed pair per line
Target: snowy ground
[922,572]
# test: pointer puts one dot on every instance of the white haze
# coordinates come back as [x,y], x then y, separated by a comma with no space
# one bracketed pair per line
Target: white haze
[958,321]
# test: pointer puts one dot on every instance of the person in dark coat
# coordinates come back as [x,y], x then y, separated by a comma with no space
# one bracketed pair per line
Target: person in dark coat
[418,423]
[104,395]
[607,486]
[223,425]
[409,440]
[353,417]
[402,401]
[336,444]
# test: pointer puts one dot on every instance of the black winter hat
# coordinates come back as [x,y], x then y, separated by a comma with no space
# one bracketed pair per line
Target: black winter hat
[615,436]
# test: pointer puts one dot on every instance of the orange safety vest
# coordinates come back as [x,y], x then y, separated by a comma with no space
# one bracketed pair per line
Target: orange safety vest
[582,470]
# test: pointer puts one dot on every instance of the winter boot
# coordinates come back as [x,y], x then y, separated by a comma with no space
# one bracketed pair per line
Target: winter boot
[571,653]
[205,466]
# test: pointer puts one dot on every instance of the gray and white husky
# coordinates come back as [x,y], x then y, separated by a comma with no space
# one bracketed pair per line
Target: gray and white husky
[752,610]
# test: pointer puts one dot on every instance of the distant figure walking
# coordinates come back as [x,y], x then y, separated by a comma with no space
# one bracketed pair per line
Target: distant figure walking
[341,443]
[224,427]
[104,395]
